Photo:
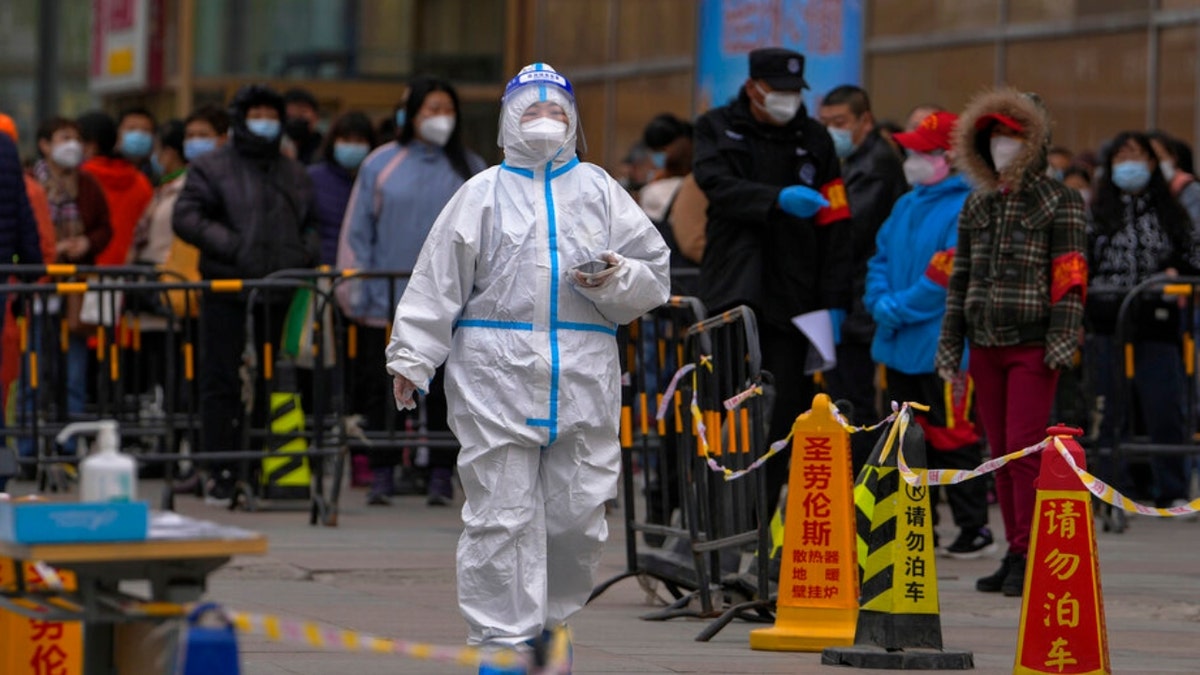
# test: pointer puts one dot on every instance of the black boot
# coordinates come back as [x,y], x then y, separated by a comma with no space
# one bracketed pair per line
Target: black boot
[994,583]
[1014,583]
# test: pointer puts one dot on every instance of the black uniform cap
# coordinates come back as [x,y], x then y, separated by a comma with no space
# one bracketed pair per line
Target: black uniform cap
[778,67]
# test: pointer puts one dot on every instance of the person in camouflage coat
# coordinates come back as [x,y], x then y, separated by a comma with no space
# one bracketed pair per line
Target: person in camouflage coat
[1015,296]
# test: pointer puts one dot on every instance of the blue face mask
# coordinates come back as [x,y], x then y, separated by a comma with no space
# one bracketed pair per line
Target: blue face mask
[350,155]
[136,144]
[401,116]
[1131,176]
[659,159]
[264,128]
[156,166]
[843,142]
[197,147]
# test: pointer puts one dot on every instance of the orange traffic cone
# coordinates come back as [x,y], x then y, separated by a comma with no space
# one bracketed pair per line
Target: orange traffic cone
[1062,609]
[818,581]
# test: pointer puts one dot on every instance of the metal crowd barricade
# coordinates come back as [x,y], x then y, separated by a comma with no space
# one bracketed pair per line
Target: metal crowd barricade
[111,352]
[728,521]
[339,422]
[1126,442]
[114,335]
[416,435]
[652,350]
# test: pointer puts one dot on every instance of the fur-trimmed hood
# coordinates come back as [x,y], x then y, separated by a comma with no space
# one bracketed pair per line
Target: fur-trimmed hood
[973,154]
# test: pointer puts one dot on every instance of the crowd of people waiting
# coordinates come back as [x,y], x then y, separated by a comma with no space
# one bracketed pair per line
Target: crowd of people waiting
[955,253]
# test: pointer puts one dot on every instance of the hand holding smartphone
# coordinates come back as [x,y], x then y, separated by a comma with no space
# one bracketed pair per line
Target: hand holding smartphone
[593,272]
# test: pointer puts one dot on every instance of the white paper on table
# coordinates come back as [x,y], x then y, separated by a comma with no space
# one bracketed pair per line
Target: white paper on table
[818,328]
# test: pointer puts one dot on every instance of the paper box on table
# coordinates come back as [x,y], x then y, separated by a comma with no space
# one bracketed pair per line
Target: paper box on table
[70,522]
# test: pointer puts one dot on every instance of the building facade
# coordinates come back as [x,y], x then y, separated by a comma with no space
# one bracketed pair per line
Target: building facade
[1100,65]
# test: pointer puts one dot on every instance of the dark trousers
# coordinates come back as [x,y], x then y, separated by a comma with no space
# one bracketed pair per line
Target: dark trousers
[853,380]
[968,500]
[783,355]
[222,339]
[371,386]
[1160,389]
[1014,392]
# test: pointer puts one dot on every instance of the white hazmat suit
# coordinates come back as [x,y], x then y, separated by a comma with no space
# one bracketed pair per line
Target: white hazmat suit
[532,375]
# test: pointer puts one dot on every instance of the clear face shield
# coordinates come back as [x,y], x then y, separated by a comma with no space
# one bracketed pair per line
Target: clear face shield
[539,122]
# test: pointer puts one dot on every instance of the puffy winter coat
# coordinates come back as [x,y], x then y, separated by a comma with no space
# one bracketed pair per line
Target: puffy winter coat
[250,210]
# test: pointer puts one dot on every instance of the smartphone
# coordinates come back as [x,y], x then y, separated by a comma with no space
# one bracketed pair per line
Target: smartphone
[594,270]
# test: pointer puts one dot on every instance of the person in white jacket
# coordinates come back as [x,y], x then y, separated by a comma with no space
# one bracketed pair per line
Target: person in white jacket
[532,373]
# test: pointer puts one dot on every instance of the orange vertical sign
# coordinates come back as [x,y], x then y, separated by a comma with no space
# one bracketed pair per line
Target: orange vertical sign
[1062,611]
[33,646]
[818,577]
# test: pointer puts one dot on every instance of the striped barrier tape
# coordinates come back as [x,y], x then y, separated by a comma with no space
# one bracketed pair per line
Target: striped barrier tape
[1103,491]
[701,429]
[312,634]
[556,654]
[774,449]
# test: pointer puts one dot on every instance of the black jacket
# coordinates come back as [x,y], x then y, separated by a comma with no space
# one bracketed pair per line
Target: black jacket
[18,229]
[756,254]
[874,178]
[250,210]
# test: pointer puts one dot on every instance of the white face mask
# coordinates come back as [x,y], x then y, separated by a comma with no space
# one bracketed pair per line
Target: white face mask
[68,154]
[436,130]
[923,169]
[1004,150]
[544,136]
[780,106]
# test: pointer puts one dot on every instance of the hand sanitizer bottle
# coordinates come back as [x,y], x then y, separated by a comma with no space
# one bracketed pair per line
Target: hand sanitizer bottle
[105,475]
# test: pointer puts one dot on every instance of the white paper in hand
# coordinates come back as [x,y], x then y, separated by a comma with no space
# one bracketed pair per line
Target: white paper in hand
[818,328]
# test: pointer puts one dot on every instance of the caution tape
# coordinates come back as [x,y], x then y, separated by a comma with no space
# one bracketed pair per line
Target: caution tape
[701,429]
[1109,495]
[775,448]
[312,634]
[1103,491]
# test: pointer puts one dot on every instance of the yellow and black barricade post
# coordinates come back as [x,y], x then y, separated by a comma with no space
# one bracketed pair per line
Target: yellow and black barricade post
[818,584]
[899,625]
[285,471]
[1062,608]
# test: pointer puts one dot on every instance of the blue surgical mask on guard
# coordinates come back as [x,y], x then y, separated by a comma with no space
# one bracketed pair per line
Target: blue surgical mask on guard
[136,143]
[658,159]
[197,147]
[1131,176]
[843,142]
[264,128]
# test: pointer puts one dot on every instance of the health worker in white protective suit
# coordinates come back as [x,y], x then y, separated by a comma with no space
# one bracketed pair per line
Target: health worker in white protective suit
[532,375]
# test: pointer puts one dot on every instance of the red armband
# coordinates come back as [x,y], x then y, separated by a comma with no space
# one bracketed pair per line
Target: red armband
[839,209]
[1068,271]
[940,266]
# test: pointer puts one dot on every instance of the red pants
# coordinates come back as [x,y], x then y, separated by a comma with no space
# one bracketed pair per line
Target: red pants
[1014,392]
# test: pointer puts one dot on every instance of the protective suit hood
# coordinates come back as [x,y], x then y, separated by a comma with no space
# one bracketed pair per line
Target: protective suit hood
[535,83]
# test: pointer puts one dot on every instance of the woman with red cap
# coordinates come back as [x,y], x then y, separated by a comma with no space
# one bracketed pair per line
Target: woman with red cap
[906,296]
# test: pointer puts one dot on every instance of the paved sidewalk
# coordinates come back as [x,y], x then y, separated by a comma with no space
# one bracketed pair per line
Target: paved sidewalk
[390,571]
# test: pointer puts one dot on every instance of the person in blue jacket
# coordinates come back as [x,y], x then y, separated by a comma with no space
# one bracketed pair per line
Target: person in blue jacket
[906,295]
[401,188]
